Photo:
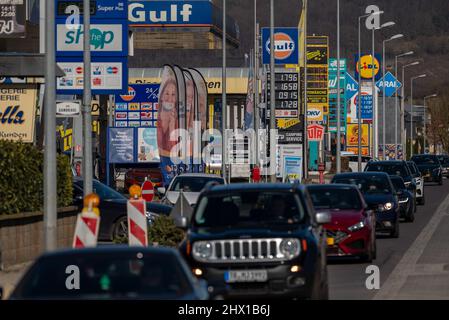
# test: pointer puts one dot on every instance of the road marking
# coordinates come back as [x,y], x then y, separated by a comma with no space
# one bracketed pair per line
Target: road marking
[391,287]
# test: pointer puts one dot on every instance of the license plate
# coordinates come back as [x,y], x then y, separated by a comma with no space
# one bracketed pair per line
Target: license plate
[330,241]
[246,276]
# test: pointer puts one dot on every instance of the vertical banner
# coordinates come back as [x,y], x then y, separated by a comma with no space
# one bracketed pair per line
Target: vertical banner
[191,97]
[201,113]
[167,121]
[249,106]
[182,118]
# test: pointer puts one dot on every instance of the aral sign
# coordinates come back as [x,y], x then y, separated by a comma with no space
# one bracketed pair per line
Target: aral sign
[105,39]
[17,112]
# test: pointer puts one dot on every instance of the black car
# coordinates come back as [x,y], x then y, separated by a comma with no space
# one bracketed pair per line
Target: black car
[419,182]
[110,272]
[407,203]
[430,167]
[113,212]
[444,160]
[380,196]
[393,167]
[258,240]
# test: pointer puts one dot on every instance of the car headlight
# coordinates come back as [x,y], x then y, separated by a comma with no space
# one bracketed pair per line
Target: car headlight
[405,200]
[357,226]
[202,250]
[385,207]
[290,248]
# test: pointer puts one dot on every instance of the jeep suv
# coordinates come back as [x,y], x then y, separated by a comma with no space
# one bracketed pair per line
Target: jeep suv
[258,240]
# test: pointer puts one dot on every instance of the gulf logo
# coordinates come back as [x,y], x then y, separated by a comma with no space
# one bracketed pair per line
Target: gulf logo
[284,46]
[130,96]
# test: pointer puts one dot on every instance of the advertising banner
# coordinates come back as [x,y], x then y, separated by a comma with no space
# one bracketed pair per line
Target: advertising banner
[17,112]
[121,145]
[286,45]
[202,91]
[13,19]
[147,145]
[100,9]
[367,68]
[140,102]
[353,135]
[292,169]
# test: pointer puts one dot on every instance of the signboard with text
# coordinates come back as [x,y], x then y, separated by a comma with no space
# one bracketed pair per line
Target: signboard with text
[286,46]
[121,145]
[13,18]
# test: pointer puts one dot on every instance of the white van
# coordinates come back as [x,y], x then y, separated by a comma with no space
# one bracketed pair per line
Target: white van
[354,160]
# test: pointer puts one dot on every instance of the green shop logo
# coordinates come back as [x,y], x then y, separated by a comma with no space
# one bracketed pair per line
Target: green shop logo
[98,38]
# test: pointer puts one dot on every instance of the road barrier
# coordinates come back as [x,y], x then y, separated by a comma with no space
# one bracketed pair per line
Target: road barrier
[87,223]
[137,220]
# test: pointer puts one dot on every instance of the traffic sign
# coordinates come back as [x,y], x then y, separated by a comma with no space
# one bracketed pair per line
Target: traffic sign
[389,83]
[147,191]
[352,87]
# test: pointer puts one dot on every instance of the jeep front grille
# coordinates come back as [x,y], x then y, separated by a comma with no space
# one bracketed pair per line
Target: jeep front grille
[245,250]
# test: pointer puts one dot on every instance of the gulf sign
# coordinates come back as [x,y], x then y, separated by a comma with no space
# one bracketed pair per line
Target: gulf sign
[286,48]
[367,66]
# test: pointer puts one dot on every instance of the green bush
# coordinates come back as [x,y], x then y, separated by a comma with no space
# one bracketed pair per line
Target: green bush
[164,232]
[21,178]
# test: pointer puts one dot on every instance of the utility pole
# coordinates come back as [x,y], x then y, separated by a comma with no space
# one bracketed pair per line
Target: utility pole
[87,97]
[272,97]
[305,137]
[50,194]
[338,92]
[256,82]
[223,98]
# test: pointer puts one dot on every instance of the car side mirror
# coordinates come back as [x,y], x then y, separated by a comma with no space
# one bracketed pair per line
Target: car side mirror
[323,218]
[161,190]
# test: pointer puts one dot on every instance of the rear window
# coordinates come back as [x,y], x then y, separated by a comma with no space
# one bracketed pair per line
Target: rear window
[343,199]
[422,160]
[367,184]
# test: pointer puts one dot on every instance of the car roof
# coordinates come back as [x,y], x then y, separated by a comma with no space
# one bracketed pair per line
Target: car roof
[256,187]
[361,174]
[205,175]
[386,162]
[113,250]
[340,186]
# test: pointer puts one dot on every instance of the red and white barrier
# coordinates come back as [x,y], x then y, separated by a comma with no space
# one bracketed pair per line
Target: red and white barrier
[137,223]
[86,230]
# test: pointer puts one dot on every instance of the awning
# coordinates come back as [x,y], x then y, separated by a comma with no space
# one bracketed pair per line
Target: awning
[24,65]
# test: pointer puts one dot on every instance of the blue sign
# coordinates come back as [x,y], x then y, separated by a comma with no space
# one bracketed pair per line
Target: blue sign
[352,87]
[170,13]
[121,145]
[109,75]
[138,107]
[366,105]
[292,168]
[102,9]
[108,38]
[286,45]
[389,83]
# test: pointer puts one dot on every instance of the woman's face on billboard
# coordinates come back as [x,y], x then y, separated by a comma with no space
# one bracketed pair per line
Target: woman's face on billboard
[169,97]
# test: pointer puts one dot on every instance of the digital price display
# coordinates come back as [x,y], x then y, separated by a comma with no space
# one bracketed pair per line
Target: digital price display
[286,91]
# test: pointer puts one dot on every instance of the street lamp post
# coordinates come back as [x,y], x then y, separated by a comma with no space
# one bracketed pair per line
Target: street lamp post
[223,98]
[273,140]
[398,36]
[338,160]
[396,103]
[403,142]
[359,108]
[425,119]
[411,110]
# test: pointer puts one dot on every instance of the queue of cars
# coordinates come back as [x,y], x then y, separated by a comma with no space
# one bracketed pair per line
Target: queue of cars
[243,240]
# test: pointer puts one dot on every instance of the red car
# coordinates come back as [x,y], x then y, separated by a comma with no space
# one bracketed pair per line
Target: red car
[138,176]
[351,231]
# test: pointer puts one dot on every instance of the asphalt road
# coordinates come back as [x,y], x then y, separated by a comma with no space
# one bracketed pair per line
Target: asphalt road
[347,277]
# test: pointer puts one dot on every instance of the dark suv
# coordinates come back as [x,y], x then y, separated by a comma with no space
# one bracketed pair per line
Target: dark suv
[430,167]
[394,168]
[258,240]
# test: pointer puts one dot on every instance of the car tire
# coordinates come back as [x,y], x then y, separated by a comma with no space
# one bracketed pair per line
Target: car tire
[422,201]
[119,231]
[395,232]
[411,216]
[440,182]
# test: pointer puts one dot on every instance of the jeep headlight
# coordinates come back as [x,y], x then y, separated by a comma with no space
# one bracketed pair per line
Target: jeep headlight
[385,207]
[202,250]
[290,248]
[357,226]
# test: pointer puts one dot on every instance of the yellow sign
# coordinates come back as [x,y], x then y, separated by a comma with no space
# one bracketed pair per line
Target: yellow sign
[353,135]
[286,123]
[17,112]
[233,85]
[365,151]
[315,112]
[366,66]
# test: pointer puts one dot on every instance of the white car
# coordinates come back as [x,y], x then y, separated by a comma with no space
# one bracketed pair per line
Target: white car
[419,182]
[191,185]
[354,161]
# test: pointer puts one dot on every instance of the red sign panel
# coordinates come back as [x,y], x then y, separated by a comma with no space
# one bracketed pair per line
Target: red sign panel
[315,132]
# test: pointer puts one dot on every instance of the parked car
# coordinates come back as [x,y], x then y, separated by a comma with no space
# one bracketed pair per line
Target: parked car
[113,212]
[380,196]
[444,160]
[258,240]
[430,167]
[419,182]
[191,185]
[139,175]
[352,231]
[407,202]
[111,272]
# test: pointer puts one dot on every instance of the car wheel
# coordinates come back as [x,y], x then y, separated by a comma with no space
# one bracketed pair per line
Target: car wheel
[395,232]
[120,230]
[411,216]
[440,182]
[422,201]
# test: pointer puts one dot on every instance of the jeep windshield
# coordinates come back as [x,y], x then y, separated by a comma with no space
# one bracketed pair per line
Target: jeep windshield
[367,185]
[249,209]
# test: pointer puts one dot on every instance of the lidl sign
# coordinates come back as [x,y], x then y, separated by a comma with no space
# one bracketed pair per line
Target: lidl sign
[367,66]
[389,84]
[286,49]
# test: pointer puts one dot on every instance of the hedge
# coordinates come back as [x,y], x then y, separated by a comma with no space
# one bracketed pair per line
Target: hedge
[21,178]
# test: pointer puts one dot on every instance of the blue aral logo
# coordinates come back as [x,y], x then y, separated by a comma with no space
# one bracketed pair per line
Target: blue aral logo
[388,83]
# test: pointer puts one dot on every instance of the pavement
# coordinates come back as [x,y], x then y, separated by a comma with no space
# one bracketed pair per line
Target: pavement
[10,278]
[413,267]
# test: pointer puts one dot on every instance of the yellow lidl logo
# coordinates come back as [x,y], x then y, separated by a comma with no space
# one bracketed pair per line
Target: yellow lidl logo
[366,67]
